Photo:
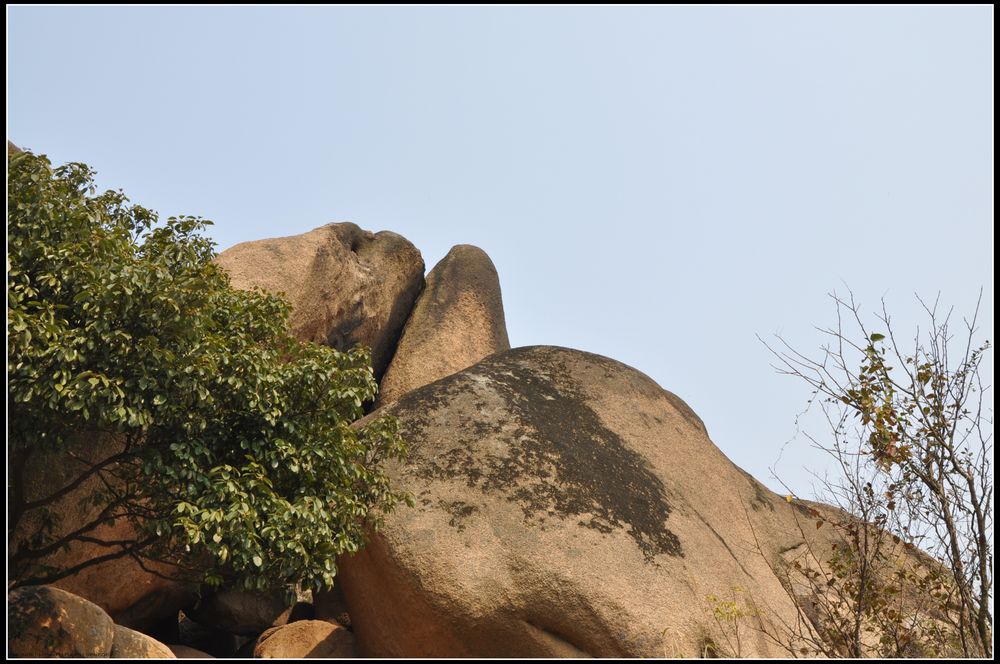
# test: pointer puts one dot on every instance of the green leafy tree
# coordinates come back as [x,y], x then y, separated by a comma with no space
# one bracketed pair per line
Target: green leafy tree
[231,455]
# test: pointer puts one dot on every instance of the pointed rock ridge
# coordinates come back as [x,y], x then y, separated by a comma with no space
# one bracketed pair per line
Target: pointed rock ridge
[566,505]
[346,285]
[12,149]
[457,321]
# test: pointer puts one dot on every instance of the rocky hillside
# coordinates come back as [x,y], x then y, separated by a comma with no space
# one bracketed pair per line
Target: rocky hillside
[566,504]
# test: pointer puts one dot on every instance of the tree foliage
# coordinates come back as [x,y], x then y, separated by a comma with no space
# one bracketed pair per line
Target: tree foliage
[911,438]
[233,452]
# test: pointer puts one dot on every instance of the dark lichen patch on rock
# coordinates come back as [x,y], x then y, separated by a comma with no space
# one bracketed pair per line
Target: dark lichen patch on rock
[597,524]
[415,408]
[459,511]
[556,456]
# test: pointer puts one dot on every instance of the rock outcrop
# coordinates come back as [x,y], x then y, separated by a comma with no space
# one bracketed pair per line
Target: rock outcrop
[457,321]
[346,285]
[305,638]
[566,506]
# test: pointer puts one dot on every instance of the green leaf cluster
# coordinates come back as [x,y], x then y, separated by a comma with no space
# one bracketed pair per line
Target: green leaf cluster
[238,455]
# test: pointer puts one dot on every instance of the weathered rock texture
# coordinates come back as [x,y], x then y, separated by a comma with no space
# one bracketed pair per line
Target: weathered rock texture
[305,638]
[457,321]
[131,595]
[346,285]
[49,622]
[130,644]
[566,506]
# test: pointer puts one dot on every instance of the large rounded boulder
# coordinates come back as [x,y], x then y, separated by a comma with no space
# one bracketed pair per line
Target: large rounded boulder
[566,505]
[457,321]
[346,285]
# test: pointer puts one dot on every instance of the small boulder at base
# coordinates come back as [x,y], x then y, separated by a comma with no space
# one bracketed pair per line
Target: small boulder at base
[346,285]
[457,321]
[48,622]
[130,644]
[305,639]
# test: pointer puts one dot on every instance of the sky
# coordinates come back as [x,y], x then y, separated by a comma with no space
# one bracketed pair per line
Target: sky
[658,185]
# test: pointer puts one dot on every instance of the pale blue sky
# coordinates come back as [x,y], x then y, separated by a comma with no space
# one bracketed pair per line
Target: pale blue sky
[658,185]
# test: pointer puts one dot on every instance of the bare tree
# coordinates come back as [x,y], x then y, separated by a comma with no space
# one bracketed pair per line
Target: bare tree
[911,441]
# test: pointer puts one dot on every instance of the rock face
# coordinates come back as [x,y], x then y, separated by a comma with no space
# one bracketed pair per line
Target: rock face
[130,644]
[48,622]
[131,595]
[346,285]
[305,638]
[457,321]
[566,506]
